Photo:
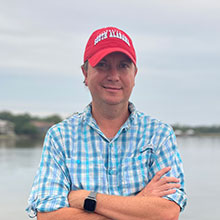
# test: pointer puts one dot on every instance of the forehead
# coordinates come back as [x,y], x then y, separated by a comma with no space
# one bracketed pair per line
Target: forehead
[116,56]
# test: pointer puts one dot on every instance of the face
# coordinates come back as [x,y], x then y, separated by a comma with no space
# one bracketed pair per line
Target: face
[111,81]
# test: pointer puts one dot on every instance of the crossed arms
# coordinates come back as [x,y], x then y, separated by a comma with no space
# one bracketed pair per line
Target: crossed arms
[148,204]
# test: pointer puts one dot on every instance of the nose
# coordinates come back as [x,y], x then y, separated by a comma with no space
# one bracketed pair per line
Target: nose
[113,74]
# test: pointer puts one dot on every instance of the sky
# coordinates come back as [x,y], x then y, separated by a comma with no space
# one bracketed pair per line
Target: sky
[178,56]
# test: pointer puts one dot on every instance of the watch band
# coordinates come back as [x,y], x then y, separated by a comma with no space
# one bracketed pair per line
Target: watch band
[92,195]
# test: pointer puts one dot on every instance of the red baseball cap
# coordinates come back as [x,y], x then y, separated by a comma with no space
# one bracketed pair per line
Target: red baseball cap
[105,41]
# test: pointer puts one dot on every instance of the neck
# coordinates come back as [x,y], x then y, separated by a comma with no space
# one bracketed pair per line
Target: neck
[110,117]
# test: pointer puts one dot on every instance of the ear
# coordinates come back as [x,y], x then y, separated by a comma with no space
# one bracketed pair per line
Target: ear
[85,73]
[135,73]
[136,70]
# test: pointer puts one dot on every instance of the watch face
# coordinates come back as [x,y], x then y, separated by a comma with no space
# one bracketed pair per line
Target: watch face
[89,205]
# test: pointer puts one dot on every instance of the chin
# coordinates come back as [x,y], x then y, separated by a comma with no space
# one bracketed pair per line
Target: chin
[113,102]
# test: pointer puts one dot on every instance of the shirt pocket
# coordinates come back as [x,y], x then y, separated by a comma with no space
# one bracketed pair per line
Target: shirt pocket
[135,171]
[84,174]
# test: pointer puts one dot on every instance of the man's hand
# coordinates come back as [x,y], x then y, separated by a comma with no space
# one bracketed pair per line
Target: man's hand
[160,187]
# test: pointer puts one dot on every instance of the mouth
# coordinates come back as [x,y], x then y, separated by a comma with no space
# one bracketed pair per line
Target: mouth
[112,88]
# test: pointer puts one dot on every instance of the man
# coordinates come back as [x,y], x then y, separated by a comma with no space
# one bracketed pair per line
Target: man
[111,161]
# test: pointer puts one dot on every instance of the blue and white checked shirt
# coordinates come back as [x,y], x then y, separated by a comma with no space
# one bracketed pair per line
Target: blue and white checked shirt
[77,155]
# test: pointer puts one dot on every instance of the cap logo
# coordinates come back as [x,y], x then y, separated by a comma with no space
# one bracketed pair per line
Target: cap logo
[111,34]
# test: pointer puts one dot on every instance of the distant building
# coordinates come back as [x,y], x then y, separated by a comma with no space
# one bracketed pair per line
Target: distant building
[42,126]
[6,127]
[178,132]
[190,132]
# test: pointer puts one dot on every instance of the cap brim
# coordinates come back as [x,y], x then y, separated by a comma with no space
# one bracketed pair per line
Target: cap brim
[94,60]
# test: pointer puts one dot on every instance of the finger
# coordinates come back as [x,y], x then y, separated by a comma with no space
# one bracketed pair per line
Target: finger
[170,186]
[167,192]
[168,179]
[160,173]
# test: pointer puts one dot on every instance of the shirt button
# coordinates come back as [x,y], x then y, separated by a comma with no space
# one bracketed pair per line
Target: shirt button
[110,172]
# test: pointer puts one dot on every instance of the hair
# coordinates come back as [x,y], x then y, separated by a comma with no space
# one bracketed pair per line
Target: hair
[85,67]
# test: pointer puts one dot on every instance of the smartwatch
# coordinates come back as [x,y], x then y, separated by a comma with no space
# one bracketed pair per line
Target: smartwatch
[90,202]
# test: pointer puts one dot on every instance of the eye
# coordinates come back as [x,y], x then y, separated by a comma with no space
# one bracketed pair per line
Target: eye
[124,65]
[102,64]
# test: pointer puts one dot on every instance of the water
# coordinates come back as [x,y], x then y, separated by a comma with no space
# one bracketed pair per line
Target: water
[19,161]
[202,168]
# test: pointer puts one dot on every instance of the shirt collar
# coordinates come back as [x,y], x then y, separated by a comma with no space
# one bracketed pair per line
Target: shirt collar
[87,116]
[132,119]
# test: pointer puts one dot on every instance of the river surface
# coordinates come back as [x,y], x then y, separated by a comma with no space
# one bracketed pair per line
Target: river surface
[201,158]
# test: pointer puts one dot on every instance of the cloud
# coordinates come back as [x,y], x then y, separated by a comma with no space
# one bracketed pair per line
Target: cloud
[177,44]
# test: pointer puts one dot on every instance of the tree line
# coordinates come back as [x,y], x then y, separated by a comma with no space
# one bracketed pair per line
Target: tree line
[198,130]
[23,123]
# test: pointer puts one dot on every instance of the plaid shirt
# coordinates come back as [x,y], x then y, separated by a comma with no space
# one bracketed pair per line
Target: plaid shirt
[77,155]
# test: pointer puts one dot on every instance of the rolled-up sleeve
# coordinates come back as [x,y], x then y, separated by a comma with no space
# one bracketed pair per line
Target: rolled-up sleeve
[166,155]
[52,183]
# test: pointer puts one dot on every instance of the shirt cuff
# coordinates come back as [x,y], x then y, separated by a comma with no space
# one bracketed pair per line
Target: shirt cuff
[178,197]
[46,204]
